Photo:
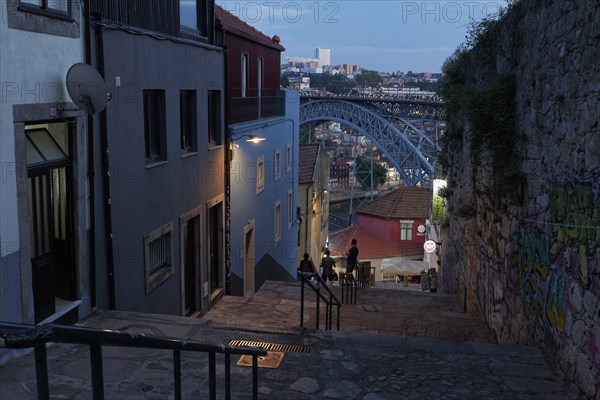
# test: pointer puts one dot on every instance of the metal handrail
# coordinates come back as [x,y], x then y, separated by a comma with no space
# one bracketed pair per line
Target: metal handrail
[25,336]
[349,287]
[329,302]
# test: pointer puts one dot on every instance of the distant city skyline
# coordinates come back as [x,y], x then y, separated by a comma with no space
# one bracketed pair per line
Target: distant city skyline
[381,35]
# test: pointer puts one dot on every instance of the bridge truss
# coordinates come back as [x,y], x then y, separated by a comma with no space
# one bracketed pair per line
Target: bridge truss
[409,150]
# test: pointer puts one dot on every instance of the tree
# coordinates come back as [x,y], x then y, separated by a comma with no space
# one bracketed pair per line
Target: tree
[363,173]
[340,84]
[284,82]
[320,80]
[368,78]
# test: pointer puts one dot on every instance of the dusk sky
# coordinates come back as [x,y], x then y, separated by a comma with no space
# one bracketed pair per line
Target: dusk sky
[387,36]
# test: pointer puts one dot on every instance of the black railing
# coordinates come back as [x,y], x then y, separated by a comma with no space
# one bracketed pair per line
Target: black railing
[349,286]
[244,109]
[329,299]
[27,336]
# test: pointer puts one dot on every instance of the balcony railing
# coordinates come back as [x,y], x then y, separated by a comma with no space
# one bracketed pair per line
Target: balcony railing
[27,336]
[244,109]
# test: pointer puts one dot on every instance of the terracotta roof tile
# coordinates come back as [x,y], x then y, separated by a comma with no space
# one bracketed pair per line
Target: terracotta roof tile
[405,202]
[369,245]
[232,24]
[307,159]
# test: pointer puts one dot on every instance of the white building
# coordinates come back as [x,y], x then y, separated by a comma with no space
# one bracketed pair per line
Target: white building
[324,56]
[44,250]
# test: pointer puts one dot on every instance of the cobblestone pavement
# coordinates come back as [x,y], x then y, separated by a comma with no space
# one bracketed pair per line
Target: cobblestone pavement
[374,357]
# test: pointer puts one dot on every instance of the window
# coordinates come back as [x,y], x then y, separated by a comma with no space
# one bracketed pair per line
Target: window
[158,256]
[260,77]
[277,222]
[244,74]
[288,157]
[154,125]
[388,277]
[52,17]
[290,209]
[260,174]
[46,6]
[215,136]
[187,120]
[406,230]
[277,164]
[188,14]
[193,16]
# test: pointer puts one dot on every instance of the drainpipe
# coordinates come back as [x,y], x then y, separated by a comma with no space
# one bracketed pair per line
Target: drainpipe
[110,264]
[307,224]
[90,161]
[228,159]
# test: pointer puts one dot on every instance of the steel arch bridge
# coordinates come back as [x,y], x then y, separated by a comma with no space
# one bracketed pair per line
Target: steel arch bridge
[409,150]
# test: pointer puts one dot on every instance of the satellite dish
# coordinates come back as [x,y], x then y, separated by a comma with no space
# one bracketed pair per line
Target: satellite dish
[87,88]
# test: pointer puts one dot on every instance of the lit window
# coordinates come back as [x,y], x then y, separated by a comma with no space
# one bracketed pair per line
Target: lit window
[277,222]
[260,174]
[406,230]
[277,164]
[288,157]
[158,256]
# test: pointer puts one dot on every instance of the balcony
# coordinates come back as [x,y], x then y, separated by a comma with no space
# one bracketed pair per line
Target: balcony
[244,109]
[161,16]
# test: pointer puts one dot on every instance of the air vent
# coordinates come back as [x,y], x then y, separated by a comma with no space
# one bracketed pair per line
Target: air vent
[285,348]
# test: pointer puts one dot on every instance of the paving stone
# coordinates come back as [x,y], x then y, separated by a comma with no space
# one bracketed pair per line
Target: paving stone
[388,364]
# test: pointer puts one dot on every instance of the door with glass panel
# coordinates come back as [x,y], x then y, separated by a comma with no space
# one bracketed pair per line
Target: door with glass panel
[50,217]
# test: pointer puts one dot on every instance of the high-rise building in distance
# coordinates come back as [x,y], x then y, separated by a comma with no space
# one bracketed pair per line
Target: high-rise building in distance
[324,56]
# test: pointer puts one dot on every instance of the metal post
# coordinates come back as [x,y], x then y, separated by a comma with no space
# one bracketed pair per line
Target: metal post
[302,303]
[212,376]
[338,317]
[41,372]
[318,303]
[352,192]
[372,172]
[97,371]
[177,373]
[327,313]
[330,312]
[254,377]
[227,376]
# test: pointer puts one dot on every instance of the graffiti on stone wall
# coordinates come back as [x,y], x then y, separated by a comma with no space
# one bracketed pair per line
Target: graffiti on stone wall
[562,246]
[489,290]
[574,216]
[453,268]
[542,287]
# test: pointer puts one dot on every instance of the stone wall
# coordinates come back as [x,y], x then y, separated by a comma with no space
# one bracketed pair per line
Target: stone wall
[531,269]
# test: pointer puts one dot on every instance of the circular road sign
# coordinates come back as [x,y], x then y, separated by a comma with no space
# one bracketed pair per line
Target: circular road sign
[429,246]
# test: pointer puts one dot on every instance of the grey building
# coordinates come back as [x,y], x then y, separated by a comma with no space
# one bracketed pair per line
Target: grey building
[158,157]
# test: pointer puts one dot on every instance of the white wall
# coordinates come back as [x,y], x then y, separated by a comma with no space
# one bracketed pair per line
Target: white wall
[33,67]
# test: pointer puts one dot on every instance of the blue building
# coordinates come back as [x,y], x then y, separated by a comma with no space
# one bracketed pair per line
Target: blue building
[263,132]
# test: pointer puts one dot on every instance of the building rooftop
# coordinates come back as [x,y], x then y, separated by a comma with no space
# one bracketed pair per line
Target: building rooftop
[232,24]
[308,160]
[369,245]
[403,203]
